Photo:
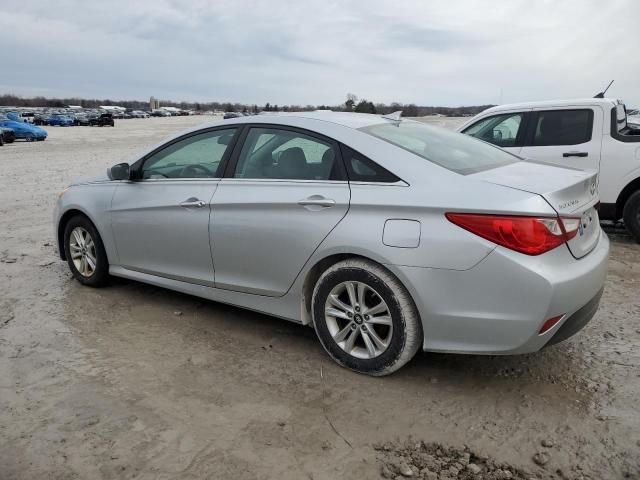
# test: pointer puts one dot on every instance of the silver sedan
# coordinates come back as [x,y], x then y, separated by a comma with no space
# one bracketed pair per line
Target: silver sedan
[385,235]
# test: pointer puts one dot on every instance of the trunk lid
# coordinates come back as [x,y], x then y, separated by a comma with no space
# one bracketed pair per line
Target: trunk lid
[570,192]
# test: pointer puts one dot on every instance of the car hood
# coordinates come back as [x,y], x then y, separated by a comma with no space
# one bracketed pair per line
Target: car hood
[22,127]
[90,179]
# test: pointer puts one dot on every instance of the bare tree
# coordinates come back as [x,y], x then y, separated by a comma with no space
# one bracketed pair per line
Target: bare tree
[351,101]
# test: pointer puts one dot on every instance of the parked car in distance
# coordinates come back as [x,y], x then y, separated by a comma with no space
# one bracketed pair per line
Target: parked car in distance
[160,113]
[386,235]
[81,119]
[58,119]
[41,119]
[21,129]
[139,114]
[7,135]
[588,134]
[103,120]
[228,115]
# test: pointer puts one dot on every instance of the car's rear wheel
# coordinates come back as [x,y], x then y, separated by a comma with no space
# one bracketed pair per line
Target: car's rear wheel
[85,252]
[631,215]
[365,319]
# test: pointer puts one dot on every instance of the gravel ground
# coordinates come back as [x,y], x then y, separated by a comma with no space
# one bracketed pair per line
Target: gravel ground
[132,381]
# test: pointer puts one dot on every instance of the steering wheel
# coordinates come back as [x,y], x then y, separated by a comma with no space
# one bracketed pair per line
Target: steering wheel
[193,170]
[150,173]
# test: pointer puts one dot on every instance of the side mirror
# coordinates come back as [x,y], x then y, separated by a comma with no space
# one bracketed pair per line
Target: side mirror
[120,171]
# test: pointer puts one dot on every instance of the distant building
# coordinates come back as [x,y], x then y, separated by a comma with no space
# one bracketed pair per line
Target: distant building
[154,103]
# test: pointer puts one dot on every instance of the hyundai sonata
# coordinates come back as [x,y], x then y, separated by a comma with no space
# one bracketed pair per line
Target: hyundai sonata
[386,235]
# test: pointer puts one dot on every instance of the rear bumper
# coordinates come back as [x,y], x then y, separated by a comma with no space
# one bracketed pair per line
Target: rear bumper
[499,306]
[575,322]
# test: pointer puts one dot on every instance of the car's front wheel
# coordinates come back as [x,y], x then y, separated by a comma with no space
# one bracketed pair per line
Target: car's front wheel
[365,319]
[85,252]
[631,215]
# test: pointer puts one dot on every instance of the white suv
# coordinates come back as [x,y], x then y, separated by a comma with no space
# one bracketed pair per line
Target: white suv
[588,134]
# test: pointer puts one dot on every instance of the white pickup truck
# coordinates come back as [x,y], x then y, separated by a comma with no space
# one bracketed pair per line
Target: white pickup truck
[589,134]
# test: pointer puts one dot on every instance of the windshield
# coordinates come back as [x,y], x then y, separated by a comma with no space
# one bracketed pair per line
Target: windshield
[453,151]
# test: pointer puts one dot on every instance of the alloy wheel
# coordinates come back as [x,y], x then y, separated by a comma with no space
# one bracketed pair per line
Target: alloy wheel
[83,251]
[358,319]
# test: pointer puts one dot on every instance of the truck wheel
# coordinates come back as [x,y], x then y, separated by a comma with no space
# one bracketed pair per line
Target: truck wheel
[631,215]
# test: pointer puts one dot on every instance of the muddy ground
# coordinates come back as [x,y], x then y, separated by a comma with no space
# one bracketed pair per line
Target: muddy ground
[132,381]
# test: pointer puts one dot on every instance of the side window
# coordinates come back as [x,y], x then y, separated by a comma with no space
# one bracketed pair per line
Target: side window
[197,156]
[563,127]
[500,130]
[286,155]
[363,169]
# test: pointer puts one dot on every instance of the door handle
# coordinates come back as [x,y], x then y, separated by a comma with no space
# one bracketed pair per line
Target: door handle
[193,203]
[575,154]
[316,201]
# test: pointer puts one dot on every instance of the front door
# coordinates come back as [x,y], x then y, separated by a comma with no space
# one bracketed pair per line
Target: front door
[506,130]
[161,221]
[284,194]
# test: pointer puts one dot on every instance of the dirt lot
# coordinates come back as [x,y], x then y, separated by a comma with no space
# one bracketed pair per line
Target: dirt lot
[132,381]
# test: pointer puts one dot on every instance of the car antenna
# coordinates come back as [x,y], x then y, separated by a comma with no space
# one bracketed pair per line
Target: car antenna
[601,94]
[394,117]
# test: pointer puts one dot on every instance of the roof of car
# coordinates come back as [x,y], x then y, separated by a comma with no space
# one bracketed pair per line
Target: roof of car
[609,102]
[347,119]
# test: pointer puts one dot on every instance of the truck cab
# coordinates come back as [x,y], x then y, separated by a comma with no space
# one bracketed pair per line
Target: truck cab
[587,134]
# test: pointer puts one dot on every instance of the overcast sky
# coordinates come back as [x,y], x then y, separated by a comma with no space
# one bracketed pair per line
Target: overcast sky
[314,52]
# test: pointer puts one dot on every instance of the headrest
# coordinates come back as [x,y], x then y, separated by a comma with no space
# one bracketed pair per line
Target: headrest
[292,163]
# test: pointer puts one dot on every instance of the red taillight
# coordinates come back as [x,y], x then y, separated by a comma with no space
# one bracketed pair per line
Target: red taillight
[548,325]
[529,235]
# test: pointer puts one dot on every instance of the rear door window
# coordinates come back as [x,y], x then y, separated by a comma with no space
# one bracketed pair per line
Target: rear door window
[562,127]
[282,154]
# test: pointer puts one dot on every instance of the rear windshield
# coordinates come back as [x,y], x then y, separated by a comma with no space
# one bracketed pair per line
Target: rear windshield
[453,151]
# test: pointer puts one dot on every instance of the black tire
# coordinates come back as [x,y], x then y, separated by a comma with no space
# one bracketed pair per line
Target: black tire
[100,274]
[406,336]
[1,140]
[631,215]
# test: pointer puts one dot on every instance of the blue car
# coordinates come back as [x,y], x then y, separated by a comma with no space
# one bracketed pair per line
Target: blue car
[21,129]
[60,120]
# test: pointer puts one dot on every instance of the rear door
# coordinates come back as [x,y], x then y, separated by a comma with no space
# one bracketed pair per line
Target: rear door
[567,136]
[505,130]
[284,191]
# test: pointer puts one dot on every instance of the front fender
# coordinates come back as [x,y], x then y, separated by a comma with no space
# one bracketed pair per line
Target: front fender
[93,201]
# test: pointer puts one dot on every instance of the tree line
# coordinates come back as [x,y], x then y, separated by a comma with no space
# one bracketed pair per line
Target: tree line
[352,104]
